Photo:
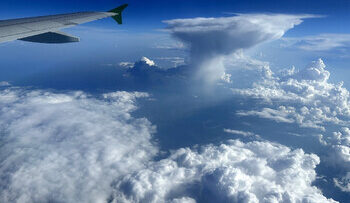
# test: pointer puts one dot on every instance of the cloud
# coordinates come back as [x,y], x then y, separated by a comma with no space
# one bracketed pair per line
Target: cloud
[288,114]
[232,172]
[226,77]
[322,42]
[126,64]
[145,65]
[146,75]
[73,147]
[280,115]
[210,39]
[339,143]
[69,147]
[143,61]
[4,84]
[343,183]
[308,99]
[176,61]
[239,132]
[171,46]
[311,99]
[148,61]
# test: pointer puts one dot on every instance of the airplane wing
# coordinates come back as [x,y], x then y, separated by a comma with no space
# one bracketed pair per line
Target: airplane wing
[45,29]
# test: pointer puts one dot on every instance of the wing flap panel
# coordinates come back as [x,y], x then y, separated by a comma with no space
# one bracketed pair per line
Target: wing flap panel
[51,38]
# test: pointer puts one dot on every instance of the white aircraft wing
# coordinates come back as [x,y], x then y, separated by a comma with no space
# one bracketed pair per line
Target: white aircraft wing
[45,29]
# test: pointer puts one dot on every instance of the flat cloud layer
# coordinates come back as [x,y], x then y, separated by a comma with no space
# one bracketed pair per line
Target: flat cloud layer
[322,42]
[232,172]
[211,38]
[68,147]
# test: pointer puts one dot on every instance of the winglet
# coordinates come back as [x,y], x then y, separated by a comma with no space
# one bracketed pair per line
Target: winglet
[118,12]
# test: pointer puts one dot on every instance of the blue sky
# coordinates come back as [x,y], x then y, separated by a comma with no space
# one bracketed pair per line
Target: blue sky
[146,14]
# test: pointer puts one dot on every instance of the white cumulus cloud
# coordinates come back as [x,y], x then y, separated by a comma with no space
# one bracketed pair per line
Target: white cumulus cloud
[74,147]
[232,172]
[148,61]
[307,98]
[312,101]
[69,147]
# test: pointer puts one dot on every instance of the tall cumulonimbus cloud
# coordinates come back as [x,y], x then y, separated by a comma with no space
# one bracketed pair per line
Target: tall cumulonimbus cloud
[68,147]
[210,39]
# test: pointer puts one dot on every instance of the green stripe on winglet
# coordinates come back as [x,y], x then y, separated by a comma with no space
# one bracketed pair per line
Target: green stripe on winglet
[118,11]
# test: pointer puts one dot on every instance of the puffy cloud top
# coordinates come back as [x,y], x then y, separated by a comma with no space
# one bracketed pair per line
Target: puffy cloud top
[148,61]
[316,71]
[68,147]
[73,147]
[311,98]
[308,99]
[233,172]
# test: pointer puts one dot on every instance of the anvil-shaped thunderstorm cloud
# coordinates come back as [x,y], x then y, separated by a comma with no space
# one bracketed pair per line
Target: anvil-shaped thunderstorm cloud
[210,39]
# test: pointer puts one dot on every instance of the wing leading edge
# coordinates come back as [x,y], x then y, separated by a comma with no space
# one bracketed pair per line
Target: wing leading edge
[45,29]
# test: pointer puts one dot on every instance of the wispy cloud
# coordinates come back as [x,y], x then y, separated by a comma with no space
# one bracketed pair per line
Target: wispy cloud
[322,42]
[243,133]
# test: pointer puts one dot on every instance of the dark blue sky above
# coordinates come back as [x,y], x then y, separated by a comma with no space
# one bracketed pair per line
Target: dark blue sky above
[149,14]
[174,8]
